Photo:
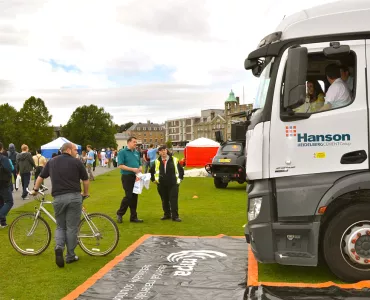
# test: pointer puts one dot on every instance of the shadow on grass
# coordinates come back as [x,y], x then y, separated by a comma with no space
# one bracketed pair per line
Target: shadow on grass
[294,274]
[237,187]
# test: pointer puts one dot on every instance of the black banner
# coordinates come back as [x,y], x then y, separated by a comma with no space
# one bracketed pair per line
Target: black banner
[177,268]
[214,268]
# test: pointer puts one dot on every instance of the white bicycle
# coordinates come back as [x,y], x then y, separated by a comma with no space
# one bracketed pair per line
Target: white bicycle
[30,234]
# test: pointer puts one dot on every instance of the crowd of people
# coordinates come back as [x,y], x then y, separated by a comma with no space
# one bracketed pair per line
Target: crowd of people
[19,166]
[106,157]
[24,164]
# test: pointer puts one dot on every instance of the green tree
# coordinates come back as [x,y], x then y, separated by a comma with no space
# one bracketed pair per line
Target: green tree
[9,131]
[123,127]
[91,125]
[34,123]
[169,144]
[126,126]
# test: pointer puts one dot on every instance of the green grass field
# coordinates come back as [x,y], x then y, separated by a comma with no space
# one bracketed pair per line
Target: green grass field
[212,213]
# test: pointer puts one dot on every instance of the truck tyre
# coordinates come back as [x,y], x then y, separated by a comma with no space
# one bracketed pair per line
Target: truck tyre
[346,243]
[219,184]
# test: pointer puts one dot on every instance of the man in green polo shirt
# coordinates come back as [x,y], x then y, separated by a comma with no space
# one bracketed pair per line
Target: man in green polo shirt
[128,160]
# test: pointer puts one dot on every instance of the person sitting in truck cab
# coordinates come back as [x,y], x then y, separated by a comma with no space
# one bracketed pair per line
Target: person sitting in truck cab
[315,98]
[346,77]
[338,94]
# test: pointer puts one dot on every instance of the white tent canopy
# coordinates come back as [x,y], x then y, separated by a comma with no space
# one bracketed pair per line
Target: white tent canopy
[48,149]
[203,142]
[57,144]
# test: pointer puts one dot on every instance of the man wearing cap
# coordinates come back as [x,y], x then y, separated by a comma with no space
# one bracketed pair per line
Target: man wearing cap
[167,173]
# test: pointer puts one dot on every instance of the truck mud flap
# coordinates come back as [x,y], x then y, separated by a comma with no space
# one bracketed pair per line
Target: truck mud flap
[259,290]
[294,293]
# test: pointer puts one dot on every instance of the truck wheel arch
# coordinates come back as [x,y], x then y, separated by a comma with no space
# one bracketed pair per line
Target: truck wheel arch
[346,190]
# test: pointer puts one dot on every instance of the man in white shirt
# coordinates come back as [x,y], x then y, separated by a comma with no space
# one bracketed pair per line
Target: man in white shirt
[338,94]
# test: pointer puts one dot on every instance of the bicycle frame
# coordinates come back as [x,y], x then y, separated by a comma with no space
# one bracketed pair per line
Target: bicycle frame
[92,226]
[38,213]
[84,213]
[42,208]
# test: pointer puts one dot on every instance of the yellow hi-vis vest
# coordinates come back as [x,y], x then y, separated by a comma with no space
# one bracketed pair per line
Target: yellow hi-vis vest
[157,164]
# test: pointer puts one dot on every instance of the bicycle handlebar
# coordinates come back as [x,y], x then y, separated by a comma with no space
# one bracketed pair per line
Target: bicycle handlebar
[41,190]
[44,188]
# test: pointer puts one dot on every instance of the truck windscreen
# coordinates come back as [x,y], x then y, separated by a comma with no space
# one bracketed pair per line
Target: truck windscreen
[259,101]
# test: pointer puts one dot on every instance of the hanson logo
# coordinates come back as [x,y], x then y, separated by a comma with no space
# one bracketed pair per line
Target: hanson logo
[323,137]
[290,131]
[186,260]
[307,140]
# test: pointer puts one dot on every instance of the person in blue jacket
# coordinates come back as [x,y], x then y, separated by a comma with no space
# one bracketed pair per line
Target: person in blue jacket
[5,183]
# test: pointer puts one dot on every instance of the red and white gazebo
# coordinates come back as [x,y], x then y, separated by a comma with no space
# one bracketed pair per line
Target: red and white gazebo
[200,152]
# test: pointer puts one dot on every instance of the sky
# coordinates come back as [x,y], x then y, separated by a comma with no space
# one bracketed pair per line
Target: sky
[139,59]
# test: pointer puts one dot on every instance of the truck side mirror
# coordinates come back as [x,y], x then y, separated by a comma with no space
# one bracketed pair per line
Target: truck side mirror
[255,65]
[295,77]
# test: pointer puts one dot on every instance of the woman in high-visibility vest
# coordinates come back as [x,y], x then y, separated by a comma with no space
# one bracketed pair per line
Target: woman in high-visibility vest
[167,173]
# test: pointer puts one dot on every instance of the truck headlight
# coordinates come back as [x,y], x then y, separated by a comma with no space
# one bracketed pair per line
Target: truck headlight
[254,208]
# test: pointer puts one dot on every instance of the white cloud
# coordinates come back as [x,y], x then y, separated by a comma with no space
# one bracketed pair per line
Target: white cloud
[204,42]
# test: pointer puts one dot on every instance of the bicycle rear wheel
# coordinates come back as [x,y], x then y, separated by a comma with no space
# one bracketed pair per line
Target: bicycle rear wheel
[29,236]
[98,234]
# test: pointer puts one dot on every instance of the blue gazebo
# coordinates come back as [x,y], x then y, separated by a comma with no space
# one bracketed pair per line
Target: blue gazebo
[54,146]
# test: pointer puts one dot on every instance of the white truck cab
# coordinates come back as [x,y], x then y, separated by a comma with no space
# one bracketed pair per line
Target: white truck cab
[307,161]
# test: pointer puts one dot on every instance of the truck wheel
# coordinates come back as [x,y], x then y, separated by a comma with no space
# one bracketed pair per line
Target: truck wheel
[346,243]
[219,184]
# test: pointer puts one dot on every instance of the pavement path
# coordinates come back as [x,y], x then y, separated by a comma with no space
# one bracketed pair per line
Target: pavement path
[18,201]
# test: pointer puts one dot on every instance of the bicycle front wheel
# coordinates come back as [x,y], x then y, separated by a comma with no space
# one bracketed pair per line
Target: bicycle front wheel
[98,234]
[29,236]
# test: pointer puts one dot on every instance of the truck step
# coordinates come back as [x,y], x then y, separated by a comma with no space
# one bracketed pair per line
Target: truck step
[293,258]
[297,227]
[296,254]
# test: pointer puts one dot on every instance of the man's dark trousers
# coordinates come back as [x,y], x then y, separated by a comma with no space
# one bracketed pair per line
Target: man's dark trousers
[25,178]
[170,196]
[130,199]
[7,203]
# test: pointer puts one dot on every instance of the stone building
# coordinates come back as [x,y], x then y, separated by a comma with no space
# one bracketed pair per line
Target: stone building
[181,130]
[211,121]
[221,120]
[121,139]
[233,106]
[147,133]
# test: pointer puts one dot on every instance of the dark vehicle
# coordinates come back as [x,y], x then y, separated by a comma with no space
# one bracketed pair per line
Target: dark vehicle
[229,162]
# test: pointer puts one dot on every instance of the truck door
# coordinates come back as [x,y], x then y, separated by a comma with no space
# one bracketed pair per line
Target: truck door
[333,140]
